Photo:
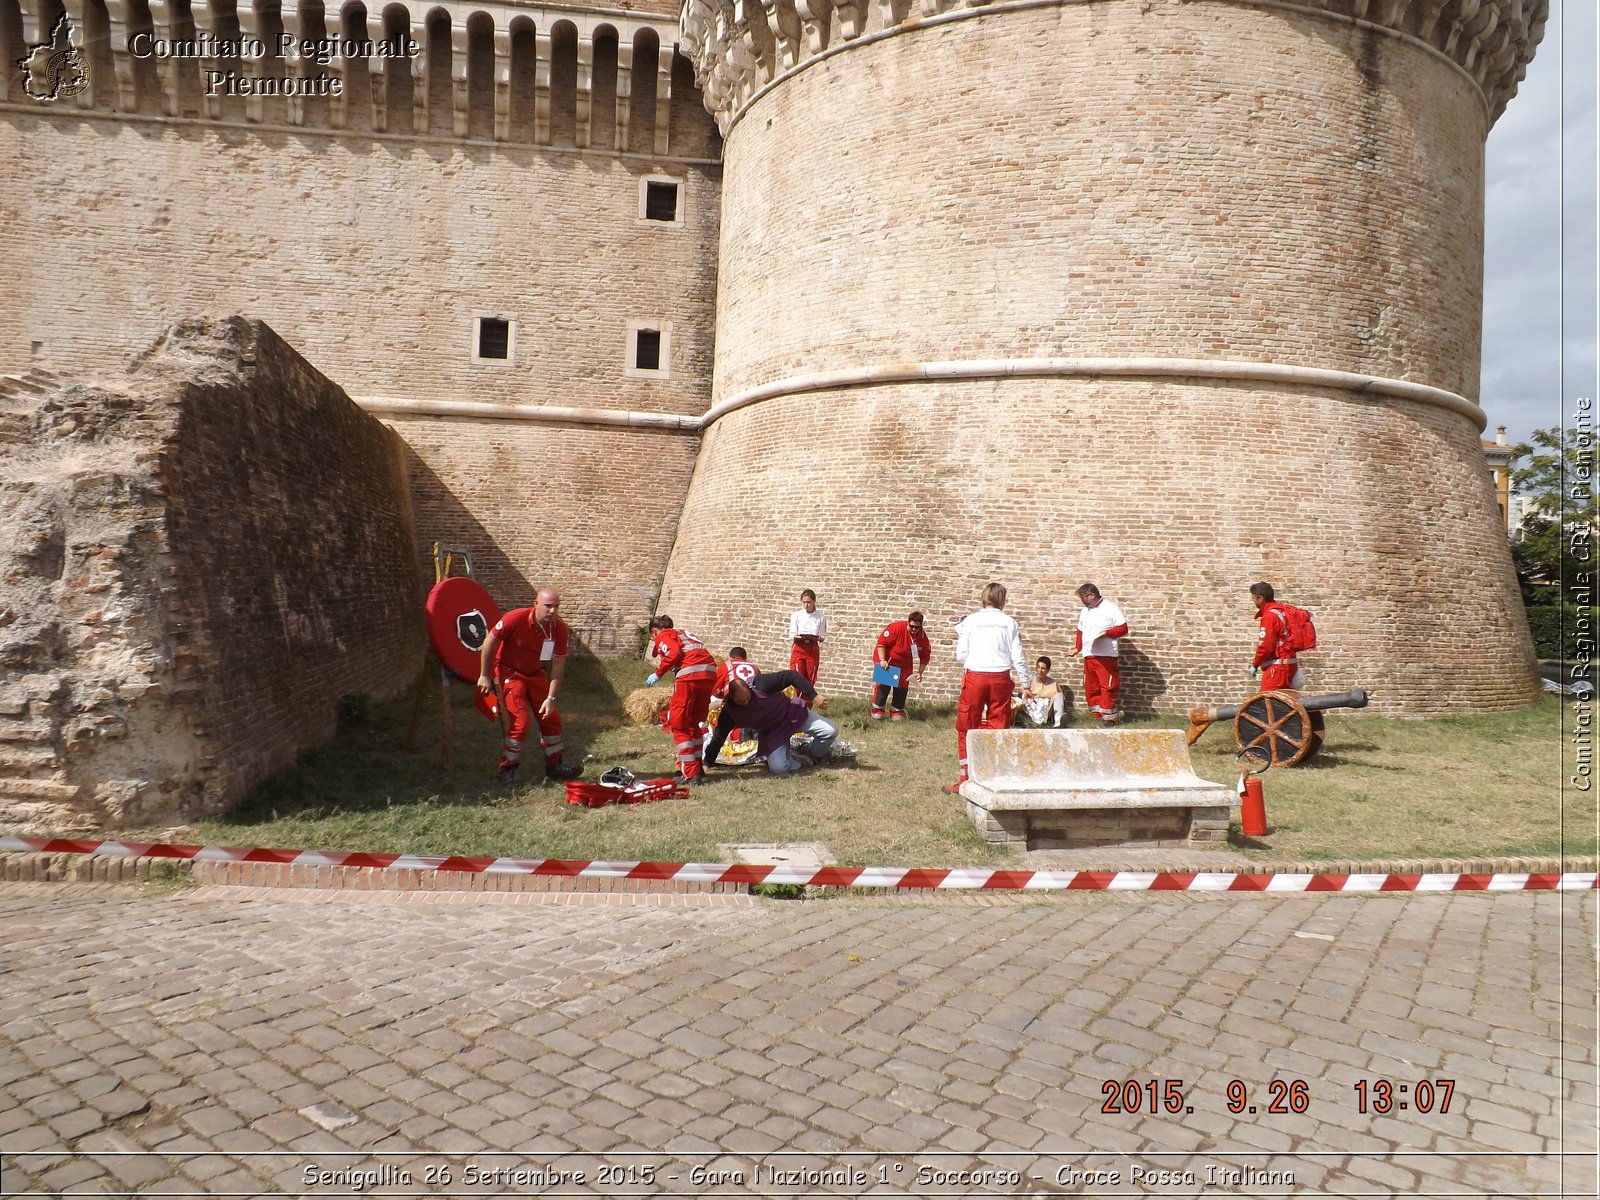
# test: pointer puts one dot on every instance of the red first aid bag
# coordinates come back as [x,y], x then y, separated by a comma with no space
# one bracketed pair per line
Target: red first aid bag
[643,791]
[1302,633]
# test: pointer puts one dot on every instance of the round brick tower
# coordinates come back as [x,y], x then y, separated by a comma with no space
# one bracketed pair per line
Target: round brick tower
[1171,295]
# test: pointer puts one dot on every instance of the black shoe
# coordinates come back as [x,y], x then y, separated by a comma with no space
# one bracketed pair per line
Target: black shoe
[508,776]
[559,773]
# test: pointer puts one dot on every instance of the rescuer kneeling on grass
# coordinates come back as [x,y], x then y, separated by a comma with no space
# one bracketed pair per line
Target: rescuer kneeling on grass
[756,704]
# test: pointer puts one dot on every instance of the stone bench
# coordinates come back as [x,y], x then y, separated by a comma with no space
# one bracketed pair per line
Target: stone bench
[1049,789]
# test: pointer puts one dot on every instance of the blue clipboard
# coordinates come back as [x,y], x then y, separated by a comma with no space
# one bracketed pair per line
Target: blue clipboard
[886,676]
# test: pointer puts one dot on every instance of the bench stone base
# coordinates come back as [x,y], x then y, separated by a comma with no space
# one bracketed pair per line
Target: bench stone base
[1056,789]
[1041,828]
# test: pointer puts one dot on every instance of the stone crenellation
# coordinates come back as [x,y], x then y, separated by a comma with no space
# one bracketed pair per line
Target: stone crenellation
[491,71]
[740,47]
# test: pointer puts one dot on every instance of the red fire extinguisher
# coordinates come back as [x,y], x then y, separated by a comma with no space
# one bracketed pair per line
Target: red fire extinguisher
[1252,804]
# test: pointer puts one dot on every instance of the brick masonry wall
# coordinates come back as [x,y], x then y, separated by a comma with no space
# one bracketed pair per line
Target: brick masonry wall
[1194,181]
[590,510]
[370,257]
[1202,826]
[213,549]
[1205,180]
[1377,516]
[293,542]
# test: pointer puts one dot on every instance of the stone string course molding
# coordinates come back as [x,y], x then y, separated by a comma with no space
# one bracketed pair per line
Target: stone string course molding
[1135,368]
[740,47]
[509,69]
[1108,368]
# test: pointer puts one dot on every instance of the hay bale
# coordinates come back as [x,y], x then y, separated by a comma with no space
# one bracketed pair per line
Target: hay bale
[644,705]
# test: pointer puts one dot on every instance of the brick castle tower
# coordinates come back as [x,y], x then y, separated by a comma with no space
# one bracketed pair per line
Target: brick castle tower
[1173,296]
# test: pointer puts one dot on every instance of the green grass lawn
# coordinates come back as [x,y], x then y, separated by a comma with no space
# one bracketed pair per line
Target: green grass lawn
[1382,788]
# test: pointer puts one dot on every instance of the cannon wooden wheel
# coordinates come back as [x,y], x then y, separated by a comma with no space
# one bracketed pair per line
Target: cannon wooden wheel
[1276,730]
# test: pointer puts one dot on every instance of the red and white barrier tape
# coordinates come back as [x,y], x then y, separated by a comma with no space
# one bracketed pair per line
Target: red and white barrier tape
[864,877]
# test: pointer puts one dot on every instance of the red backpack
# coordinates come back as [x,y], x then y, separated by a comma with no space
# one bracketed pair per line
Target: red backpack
[1302,633]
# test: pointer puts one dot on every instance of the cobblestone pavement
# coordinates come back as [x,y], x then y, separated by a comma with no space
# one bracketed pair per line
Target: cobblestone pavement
[242,1042]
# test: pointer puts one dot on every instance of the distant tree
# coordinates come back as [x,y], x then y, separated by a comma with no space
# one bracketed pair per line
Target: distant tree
[1560,533]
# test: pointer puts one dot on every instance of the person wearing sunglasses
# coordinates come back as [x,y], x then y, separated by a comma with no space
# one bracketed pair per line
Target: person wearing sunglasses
[902,646]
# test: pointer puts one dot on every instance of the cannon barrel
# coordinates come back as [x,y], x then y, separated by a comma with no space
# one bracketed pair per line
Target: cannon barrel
[1356,698]
[1203,716]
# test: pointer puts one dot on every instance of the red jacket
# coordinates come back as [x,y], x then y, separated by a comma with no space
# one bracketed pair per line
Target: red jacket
[679,650]
[1274,642]
[720,687]
[522,643]
[895,643]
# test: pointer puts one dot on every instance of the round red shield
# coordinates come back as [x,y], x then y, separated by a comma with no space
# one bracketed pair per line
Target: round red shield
[460,615]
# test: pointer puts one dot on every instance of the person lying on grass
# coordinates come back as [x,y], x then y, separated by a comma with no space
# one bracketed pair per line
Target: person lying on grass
[756,704]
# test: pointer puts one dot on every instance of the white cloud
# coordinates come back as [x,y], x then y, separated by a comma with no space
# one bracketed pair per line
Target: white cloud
[1539,253]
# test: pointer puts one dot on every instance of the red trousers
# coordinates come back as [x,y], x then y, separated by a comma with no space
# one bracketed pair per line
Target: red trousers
[691,701]
[806,657]
[1279,676]
[985,704]
[522,695]
[1101,679]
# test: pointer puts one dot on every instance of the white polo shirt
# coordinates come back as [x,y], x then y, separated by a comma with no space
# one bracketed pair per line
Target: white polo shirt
[802,622]
[989,640]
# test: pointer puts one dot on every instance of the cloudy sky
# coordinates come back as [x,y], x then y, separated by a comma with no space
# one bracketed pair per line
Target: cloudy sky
[1539,272]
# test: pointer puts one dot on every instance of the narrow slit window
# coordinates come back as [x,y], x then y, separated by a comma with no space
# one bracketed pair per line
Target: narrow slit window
[647,353]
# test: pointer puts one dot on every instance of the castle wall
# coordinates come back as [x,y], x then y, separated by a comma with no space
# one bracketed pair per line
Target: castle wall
[591,511]
[372,256]
[203,557]
[1101,180]
[1413,596]
[1200,181]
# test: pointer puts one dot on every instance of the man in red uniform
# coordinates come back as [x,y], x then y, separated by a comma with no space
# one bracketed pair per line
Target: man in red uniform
[736,654]
[1100,624]
[1275,655]
[719,690]
[516,653]
[680,651]
[896,645]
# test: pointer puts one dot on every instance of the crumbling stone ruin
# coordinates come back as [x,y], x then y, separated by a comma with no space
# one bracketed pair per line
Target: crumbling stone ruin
[197,559]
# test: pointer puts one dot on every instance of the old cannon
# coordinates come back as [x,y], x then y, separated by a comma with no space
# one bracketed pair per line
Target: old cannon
[1275,729]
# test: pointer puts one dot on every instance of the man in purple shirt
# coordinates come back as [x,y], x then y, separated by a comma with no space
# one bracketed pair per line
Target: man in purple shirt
[756,704]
